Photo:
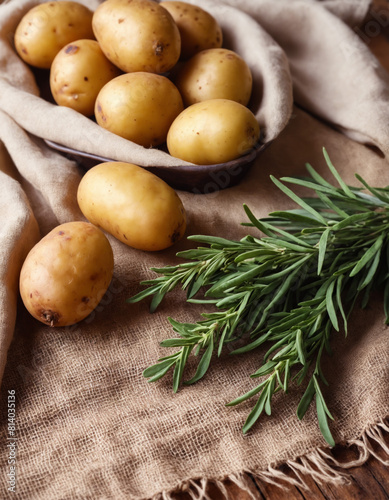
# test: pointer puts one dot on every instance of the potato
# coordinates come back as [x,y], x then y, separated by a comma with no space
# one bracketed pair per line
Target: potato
[48,27]
[139,107]
[66,274]
[214,131]
[132,204]
[198,29]
[137,35]
[78,73]
[214,74]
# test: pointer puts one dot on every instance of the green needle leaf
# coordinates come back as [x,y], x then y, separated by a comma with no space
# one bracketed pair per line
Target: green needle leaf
[339,282]
[268,404]
[260,225]
[322,249]
[323,421]
[192,285]
[386,302]
[306,400]
[282,290]
[375,192]
[156,300]
[335,173]
[212,240]
[371,272]
[330,306]
[154,370]
[270,392]
[248,394]
[256,412]
[298,200]
[236,280]
[161,373]
[291,215]
[252,254]
[317,177]
[368,255]
[319,393]
[351,220]
[179,368]
[203,364]
[310,185]
[265,369]
[252,345]
[184,329]
[143,294]
[299,346]
[286,375]
[330,204]
[178,342]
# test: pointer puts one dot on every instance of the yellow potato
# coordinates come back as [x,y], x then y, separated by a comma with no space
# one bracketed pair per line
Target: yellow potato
[214,131]
[138,35]
[198,29]
[78,73]
[214,74]
[139,107]
[133,205]
[48,27]
[66,274]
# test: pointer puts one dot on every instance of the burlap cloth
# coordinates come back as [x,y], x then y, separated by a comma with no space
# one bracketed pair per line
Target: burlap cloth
[88,425]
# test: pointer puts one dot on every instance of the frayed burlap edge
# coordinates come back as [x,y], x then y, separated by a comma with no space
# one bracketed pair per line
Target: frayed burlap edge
[319,464]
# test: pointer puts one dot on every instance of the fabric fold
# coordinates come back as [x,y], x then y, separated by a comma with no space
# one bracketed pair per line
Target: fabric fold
[335,76]
[272,100]
[18,233]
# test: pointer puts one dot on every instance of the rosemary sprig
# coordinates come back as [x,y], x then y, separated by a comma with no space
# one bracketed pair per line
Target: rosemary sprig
[289,289]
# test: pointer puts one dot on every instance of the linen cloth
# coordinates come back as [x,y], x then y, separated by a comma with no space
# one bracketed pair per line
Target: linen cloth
[88,425]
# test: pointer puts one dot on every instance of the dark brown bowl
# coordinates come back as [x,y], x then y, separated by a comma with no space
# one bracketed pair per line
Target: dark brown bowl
[196,179]
[201,179]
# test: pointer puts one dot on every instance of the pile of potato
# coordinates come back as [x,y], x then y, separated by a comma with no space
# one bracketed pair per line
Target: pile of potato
[153,74]
[141,68]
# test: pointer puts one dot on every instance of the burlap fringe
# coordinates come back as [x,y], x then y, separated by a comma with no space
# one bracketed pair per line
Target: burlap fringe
[320,465]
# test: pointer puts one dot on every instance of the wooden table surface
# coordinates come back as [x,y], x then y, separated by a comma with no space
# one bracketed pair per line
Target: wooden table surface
[371,480]
[368,482]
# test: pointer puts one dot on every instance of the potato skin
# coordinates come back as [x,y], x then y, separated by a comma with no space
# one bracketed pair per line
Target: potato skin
[139,106]
[66,274]
[133,205]
[137,35]
[199,30]
[78,73]
[214,74]
[214,131]
[48,27]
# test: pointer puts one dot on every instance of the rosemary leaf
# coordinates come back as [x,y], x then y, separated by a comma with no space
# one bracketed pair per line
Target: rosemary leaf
[368,255]
[284,291]
[335,173]
[305,401]
[204,363]
[256,412]
[323,420]
[298,200]
[322,249]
